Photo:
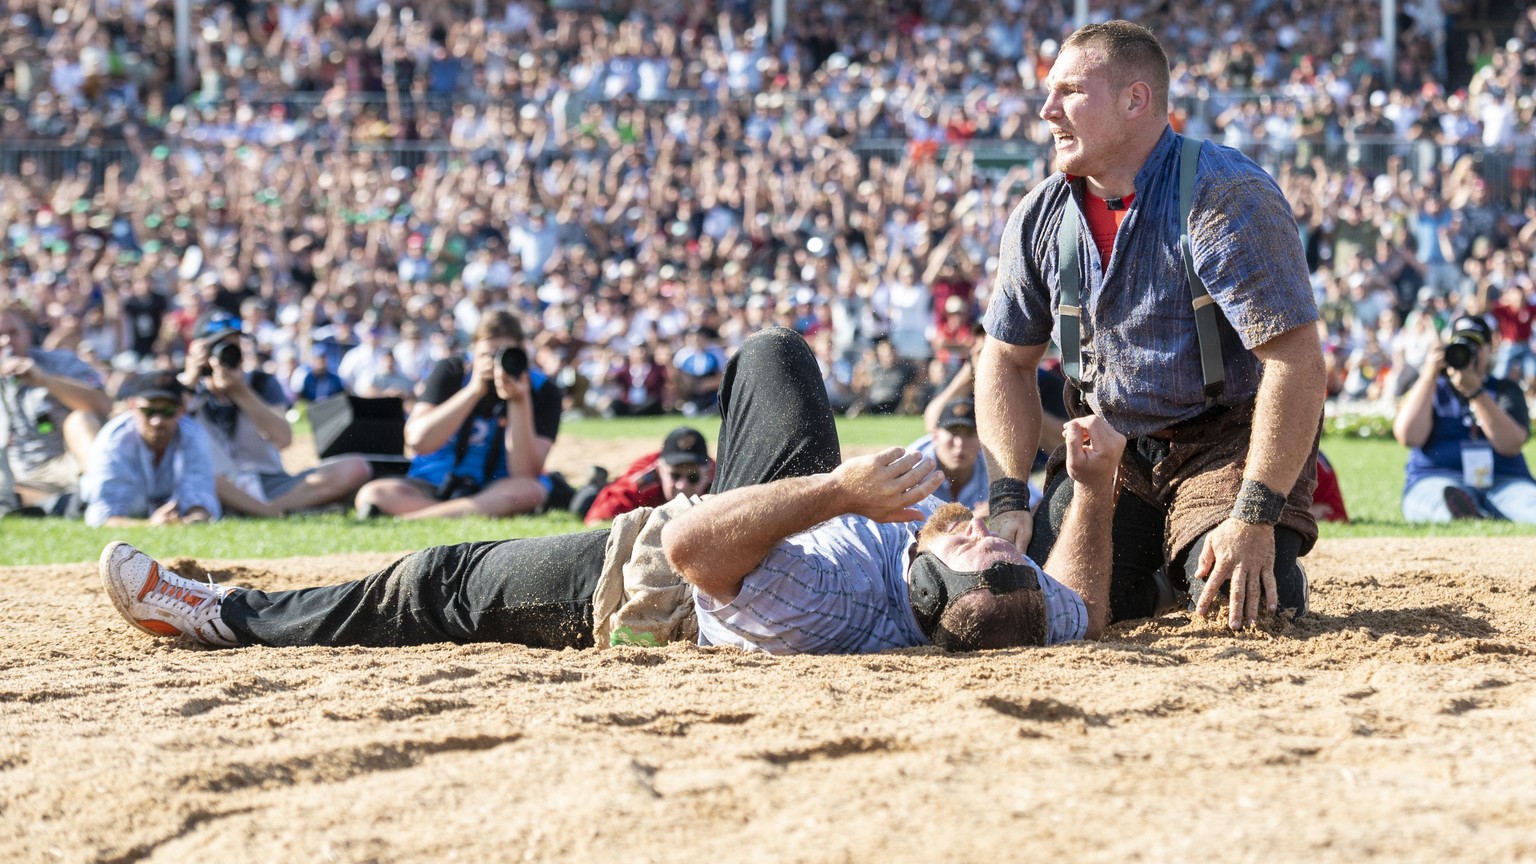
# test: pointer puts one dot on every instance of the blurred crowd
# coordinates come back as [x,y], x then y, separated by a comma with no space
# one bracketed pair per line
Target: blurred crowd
[645,184]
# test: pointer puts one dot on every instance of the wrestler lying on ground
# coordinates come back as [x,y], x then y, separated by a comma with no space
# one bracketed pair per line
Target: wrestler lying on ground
[798,553]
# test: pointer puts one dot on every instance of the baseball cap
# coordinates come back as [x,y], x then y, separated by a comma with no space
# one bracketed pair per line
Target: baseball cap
[684,446]
[215,322]
[958,412]
[1472,327]
[159,385]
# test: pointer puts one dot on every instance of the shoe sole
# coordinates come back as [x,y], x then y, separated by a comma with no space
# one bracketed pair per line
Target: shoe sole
[1306,594]
[123,601]
[1461,504]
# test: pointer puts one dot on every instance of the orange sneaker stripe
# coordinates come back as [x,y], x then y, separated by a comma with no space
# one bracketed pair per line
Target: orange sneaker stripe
[152,581]
[164,628]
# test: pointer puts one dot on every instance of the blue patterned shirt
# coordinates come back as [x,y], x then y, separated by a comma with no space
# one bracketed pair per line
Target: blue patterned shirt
[841,588]
[1140,349]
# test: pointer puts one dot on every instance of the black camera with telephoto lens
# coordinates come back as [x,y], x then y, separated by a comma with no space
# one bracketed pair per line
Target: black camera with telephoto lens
[1459,352]
[512,360]
[229,355]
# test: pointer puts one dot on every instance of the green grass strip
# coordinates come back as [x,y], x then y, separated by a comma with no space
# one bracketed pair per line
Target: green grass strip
[1370,473]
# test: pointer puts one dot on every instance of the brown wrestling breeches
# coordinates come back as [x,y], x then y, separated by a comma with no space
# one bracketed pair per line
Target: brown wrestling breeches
[1175,487]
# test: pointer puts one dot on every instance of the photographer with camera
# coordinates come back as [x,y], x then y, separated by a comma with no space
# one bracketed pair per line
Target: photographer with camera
[1465,428]
[479,434]
[245,417]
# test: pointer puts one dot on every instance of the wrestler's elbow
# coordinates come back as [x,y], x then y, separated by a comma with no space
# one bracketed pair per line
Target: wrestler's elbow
[1098,619]
[677,545]
[690,553]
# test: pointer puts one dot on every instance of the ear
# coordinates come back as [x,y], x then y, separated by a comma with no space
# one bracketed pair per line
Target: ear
[1137,98]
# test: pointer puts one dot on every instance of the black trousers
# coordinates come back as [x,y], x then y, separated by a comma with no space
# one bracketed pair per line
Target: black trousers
[775,422]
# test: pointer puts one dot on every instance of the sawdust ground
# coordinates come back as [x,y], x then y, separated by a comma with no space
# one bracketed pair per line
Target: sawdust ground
[1396,722]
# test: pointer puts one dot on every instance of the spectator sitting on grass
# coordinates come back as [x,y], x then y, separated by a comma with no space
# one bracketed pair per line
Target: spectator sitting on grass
[51,407]
[244,415]
[151,465]
[480,434]
[1466,429]
[681,467]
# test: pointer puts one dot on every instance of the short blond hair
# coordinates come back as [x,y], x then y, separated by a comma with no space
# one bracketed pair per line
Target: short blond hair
[1130,52]
[944,520]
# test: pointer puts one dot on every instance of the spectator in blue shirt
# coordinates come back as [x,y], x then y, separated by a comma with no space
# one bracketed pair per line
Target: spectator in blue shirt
[700,365]
[1466,428]
[151,465]
[317,381]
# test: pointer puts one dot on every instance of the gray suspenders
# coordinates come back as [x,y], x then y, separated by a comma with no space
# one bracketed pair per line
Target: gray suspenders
[1070,269]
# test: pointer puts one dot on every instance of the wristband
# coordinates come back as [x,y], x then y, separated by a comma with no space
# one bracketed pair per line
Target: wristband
[1007,495]
[1257,504]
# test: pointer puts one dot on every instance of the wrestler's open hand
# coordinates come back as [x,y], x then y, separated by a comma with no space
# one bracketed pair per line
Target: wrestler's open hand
[885,485]
[1243,556]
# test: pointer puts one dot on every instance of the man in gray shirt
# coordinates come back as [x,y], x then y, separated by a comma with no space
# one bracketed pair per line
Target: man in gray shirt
[51,407]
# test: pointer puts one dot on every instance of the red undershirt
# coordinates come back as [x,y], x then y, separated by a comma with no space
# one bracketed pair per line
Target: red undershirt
[1103,222]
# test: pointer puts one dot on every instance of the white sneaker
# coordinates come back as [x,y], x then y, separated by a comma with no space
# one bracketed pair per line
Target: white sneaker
[161,603]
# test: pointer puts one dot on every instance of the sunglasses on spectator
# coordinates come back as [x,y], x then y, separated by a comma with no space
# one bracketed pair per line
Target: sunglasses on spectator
[165,411]
[691,476]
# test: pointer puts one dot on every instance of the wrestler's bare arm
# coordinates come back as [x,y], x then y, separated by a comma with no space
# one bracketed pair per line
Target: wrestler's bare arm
[1286,413]
[1008,416]
[716,544]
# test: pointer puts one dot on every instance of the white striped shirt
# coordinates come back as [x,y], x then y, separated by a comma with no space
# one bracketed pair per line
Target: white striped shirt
[840,588]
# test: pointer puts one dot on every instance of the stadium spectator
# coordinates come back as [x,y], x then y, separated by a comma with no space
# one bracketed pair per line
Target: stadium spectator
[480,432]
[1515,312]
[681,467]
[243,415]
[954,446]
[887,381]
[638,387]
[316,382]
[699,367]
[385,380]
[151,465]
[1465,429]
[51,406]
